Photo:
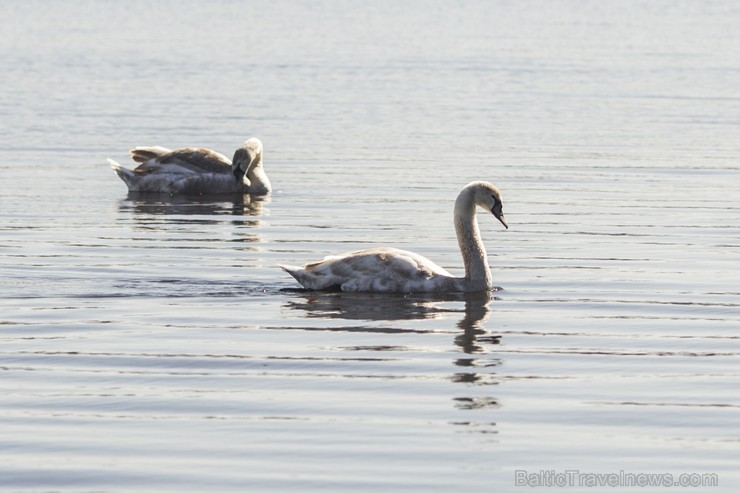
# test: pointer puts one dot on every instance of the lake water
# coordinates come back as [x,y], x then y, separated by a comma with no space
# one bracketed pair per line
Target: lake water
[152,344]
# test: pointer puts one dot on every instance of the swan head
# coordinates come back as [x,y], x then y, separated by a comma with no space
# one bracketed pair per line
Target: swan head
[247,156]
[488,197]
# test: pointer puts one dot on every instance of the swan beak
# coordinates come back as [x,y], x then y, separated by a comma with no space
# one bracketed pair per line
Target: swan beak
[499,214]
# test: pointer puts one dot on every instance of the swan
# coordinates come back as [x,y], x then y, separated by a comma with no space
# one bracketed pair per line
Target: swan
[391,270]
[196,170]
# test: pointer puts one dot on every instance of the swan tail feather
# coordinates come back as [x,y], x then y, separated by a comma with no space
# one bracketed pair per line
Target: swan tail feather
[308,279]
[293,271]
[123,173]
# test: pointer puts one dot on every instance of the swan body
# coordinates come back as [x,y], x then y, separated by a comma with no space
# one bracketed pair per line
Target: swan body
[391,270]
[196,170]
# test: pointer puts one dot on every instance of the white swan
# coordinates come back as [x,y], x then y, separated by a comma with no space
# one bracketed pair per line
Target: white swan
[196,170]
[392,270]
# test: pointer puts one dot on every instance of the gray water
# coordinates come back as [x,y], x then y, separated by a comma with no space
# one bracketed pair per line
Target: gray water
[152,344]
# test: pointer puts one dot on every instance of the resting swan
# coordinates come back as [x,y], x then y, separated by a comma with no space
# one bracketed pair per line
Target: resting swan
[196,170]
[391,270]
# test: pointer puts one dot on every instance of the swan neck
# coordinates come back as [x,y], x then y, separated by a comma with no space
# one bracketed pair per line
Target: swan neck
[475,259]
[258,181]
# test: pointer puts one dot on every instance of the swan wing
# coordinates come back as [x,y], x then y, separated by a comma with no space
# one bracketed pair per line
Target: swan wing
[185,160]
[375,269]
[143,154]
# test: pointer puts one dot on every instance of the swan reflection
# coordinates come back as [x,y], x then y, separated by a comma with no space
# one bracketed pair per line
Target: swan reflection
[147,204]
[366,306]
[392,307]
[474,373]
[161,211]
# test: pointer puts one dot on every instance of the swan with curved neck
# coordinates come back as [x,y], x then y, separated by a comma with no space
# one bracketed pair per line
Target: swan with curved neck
[192,170]
[392,270]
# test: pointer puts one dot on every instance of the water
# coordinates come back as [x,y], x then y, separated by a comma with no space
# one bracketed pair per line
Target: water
[154,345]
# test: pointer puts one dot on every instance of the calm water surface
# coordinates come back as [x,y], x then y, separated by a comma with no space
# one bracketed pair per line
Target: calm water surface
[152,343]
